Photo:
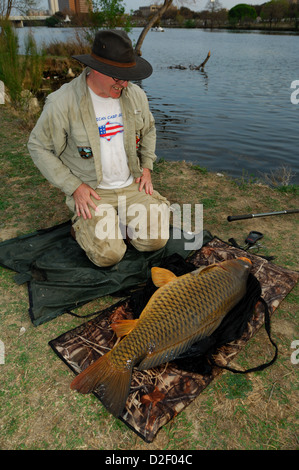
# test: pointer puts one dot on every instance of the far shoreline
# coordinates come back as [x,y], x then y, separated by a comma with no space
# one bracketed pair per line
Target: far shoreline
[246,29]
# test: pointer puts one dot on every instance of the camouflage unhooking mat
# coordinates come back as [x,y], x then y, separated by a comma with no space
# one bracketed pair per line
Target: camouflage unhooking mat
[159,394]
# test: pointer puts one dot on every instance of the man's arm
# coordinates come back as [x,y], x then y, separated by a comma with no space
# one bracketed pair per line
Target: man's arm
[46,143]
[147,147]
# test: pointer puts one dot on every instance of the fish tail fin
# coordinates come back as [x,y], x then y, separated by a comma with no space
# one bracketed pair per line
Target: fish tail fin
[111,383]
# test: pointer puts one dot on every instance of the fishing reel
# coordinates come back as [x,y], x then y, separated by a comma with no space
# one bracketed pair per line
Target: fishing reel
[251,241]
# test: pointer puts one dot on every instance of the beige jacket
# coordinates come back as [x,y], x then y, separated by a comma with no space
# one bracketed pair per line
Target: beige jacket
[67,126]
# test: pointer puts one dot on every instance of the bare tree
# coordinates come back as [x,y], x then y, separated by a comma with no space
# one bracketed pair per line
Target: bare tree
[6,7]
[213,7]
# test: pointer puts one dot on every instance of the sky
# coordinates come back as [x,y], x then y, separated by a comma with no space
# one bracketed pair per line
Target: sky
[195,5]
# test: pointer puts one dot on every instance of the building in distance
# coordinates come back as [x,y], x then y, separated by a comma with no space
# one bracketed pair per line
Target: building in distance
[53,6]
[149,10]
[73,6]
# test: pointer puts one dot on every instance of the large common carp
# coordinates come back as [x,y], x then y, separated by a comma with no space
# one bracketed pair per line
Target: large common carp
[183,310]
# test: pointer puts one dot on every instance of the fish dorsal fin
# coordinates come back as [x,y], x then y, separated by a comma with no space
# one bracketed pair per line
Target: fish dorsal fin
[123,327]
[161,276]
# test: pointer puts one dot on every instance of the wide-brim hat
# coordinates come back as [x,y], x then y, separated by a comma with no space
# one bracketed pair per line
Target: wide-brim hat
[112,54]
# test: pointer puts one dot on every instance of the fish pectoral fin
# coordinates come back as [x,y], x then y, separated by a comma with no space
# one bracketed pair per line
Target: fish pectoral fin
[161,276]
[123,327]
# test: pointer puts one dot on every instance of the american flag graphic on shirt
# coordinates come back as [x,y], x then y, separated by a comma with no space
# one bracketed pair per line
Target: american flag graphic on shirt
[109,130]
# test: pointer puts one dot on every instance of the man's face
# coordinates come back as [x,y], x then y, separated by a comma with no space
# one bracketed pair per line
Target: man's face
[107,87]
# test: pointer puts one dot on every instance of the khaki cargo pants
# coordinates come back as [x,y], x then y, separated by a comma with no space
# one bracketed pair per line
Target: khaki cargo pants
[121,214]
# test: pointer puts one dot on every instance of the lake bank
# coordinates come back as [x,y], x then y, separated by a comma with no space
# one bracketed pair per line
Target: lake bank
[280,26]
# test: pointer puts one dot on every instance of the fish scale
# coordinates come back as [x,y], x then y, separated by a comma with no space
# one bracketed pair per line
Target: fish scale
[181,311]
[137,344]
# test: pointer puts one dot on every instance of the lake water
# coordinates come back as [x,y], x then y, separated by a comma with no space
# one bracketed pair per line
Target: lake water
[236,117]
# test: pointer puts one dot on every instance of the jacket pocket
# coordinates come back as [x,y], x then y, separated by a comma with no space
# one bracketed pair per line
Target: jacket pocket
[138,121]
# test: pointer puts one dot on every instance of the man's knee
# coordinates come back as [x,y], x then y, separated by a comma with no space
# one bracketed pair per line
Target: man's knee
[106,256]
[102,252]
[149,244]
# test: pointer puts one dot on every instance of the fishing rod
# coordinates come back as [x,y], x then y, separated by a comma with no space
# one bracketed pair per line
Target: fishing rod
[231,218]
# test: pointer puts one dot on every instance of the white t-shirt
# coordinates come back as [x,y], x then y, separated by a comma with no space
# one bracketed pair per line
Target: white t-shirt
[115,169]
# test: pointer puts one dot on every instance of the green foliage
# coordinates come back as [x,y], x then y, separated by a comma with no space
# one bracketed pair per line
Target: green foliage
[34,64]
[19,72]
[12,71]
[190,23]
[52,21]
[242,12]
[200,169]
[275,10]
[55,19]
[289,189]
[109,14]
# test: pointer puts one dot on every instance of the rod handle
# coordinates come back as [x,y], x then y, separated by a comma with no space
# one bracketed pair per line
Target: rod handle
[239,217]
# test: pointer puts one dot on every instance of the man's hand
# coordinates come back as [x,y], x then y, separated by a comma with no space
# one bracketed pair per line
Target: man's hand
[145,181]
[83,200]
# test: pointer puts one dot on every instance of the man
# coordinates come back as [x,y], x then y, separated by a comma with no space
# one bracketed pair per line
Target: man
[95,140]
